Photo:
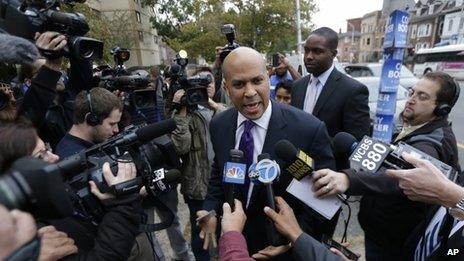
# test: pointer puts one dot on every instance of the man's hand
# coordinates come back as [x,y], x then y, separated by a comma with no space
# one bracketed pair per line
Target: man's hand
[283,62]
[340,254]
[178,95]
[55,244]
[208,229]
[51,41]
[16,229]
[285,220]
[328,182]
[270,252]
[126,172]
[233,221]
[426,183]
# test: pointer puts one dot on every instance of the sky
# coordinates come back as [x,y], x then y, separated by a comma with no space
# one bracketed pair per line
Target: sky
[334,13]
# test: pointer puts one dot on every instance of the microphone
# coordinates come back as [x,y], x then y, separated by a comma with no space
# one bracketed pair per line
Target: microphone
[17,50]
[266,171]
[234,173]
[147,133]
[298,163]
[370,154]
[343,145]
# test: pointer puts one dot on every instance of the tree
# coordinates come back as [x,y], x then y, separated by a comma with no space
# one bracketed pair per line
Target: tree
[265,25]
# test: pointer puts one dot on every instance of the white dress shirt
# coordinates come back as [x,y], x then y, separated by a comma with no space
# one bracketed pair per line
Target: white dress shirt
[315,86]
[259,132]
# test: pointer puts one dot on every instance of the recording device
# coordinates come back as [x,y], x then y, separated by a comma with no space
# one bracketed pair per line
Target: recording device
[329,243]
[195,87]
[28,17]
[298,163]
[30,186]
[265,171]
[370,154]
[134,85]
[135,144]
[17,50]
[229,31]
[276,60]
[234,173]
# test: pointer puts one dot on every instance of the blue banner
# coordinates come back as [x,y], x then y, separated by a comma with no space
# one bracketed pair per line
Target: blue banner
[397,30]
[390,78]
[383,127]
[386,104]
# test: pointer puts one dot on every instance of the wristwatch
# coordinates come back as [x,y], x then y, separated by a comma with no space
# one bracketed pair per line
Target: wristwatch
[458,211]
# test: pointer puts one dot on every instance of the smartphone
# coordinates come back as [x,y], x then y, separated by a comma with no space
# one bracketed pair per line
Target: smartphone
[329,242]
[276,60]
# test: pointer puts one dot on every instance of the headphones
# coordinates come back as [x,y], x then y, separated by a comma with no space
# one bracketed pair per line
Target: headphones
[444,109]
[92,119]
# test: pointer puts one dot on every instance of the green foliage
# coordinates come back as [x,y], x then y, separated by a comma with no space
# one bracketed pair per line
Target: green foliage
[194,25]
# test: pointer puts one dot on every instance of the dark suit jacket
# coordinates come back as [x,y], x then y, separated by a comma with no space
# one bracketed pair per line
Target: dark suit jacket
[303,130]
[342,104]
[456,241]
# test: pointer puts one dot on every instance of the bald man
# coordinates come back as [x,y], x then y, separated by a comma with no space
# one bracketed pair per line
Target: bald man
[254,125]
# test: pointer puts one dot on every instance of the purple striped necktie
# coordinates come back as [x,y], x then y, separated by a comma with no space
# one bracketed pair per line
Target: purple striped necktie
[247,146]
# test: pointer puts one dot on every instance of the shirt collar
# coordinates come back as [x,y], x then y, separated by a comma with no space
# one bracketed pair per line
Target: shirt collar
[262,122]
[325,75]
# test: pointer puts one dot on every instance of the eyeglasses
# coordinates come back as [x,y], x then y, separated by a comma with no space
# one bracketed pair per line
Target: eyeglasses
[421,96]
[41,154]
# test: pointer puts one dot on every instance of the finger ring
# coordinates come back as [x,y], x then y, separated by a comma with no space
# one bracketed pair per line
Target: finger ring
[327,188]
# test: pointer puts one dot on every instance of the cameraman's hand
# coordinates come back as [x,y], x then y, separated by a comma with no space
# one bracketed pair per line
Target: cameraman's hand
[178,95]
[16,229]
[126,172]
[218,51]
[51,41]
[208,229]
[55,244]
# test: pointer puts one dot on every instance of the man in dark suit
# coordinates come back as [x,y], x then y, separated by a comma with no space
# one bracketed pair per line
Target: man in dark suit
[333,97]
[258,123]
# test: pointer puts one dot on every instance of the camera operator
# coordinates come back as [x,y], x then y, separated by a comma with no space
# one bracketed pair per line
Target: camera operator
[191,141]
[53,119]
[96,116]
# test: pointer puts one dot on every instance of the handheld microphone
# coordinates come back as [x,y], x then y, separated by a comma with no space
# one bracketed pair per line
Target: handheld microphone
[298,163]
[370,154]
[266,171]
[234,173]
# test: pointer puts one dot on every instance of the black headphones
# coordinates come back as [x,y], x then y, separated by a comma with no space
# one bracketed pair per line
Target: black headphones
[92,119]
[444,109]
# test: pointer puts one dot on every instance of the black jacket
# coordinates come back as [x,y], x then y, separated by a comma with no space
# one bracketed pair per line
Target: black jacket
[386,215]
[112,239]
[342,104]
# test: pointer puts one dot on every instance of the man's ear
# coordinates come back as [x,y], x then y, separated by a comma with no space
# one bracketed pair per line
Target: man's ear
[334,52]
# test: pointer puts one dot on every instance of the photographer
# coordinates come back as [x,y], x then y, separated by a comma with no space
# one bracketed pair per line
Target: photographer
[192,142]
[50,118]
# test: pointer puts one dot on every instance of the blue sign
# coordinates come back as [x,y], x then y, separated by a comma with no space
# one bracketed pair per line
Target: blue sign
[397,30]
[234,173]
[390,78]
[383,127]
[393,54]
[386,104]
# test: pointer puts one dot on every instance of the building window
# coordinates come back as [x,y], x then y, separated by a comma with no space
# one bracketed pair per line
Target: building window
[140,36]
[138,17]
[368,42]
[413,31]
[450,25]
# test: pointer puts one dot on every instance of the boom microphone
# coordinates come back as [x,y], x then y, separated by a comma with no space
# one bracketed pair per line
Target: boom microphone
[17,50]
[147,133]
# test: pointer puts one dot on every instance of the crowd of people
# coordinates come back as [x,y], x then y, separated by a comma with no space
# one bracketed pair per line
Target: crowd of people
[414,214]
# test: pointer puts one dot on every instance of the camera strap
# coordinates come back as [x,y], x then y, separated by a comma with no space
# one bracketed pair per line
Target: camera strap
[161,225]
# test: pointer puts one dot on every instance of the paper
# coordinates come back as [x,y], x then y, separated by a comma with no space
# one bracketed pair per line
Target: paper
[302,190]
